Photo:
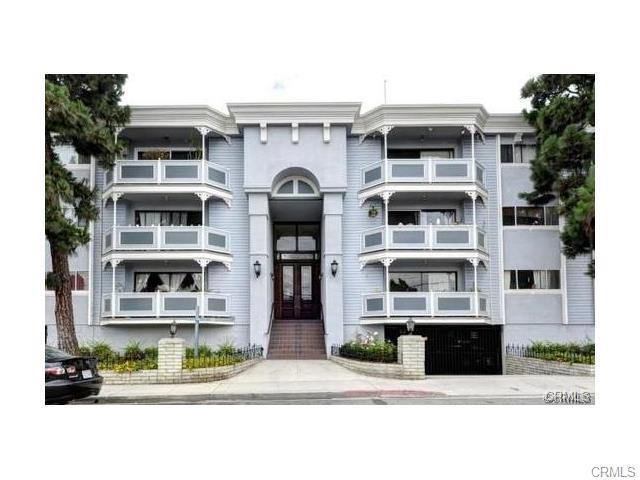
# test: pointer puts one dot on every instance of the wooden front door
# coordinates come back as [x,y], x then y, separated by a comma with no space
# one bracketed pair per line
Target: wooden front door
[297,290]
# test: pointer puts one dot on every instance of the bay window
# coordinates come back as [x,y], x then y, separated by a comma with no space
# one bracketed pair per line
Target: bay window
[532,279]
[167,282]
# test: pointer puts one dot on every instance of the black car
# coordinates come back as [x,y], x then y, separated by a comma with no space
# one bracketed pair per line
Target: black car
[67,377]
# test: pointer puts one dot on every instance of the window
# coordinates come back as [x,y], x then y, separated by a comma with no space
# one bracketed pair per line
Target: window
[397,217]
[529,216]
[414,153]
[532,279]
[518,153]
[168,282]
[146,218]
[79,280]
[506,153]
[439,217]
[69,156]
[292,237]
[294,186]
[423,281]
[508,216]
[169,154]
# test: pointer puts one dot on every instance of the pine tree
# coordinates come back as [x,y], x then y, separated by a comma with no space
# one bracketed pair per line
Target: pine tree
[563,114]
[82,111]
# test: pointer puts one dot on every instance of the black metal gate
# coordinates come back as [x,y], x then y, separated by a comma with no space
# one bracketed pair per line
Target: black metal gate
[457,349]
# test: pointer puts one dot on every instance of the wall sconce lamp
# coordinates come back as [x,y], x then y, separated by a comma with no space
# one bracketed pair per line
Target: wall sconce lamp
[411,325]
[334,268]
[257,268]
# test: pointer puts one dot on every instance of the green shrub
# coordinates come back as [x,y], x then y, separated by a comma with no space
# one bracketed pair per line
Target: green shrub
[227,348]
[375,351]
[133,351]
[151,352]
[85,350]
[571,352]
[212,361]
[102,350]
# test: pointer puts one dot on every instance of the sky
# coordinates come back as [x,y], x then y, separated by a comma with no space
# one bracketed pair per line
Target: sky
[499,93]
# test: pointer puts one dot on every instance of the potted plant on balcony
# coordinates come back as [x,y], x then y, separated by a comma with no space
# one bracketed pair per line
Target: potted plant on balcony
[373,211]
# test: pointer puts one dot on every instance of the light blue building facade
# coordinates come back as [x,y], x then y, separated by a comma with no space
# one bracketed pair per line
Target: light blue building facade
[298,211]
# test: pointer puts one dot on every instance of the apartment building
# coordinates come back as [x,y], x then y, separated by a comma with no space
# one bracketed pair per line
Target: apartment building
[301,225]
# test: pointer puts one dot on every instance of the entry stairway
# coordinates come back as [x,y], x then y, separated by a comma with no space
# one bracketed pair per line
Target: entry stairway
[297,340]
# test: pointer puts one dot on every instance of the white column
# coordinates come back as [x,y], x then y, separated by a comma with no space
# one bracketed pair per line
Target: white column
[472,131]
[203,262]
[204,131]
[386,196]
[474,262]
[203,199]
[387,262]
[114,264]
[385,131]
[114,199]
[115,167]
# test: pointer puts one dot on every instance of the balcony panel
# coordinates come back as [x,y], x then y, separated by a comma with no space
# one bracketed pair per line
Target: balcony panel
[164,304]
[422,237]
[428,170]
[425,304]
[169,172]
[136,238]
[160,238]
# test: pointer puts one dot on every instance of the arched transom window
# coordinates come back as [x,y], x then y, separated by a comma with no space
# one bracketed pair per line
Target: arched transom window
[295,187]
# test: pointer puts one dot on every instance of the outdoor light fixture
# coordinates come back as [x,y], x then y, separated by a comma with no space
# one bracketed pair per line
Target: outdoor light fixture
[334,268]
[411,325]
[257,268]
[173,328]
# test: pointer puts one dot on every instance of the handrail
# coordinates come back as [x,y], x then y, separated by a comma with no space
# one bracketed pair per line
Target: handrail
[273,310]
[324,330]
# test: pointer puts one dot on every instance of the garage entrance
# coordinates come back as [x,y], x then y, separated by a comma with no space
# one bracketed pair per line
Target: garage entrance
[457,349]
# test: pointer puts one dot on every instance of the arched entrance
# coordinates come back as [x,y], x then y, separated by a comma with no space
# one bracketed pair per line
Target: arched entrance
[295,209]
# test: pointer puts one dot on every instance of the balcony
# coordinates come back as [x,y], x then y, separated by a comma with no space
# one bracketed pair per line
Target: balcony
[428,170]
[407,241]
[164,305]
[131,176]
[166,238]
[425,304]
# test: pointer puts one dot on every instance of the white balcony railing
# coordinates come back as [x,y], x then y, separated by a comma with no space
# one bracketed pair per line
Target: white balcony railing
[426,304]
[426,170]
[421,237]
[164,304]
[166,238]
[168,171]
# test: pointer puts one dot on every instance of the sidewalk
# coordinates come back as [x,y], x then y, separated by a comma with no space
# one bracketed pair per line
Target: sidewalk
[322,377]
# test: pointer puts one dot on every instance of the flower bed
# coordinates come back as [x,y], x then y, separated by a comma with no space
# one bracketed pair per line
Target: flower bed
[378,351]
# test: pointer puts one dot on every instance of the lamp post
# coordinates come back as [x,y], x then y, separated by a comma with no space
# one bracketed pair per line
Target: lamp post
[196,335]
[173,328]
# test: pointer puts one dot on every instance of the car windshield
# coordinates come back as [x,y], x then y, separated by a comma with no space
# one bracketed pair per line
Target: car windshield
[54,355]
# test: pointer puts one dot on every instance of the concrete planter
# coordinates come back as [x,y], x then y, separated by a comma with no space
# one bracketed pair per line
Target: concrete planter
[534,366]
[410,363]
[177,376]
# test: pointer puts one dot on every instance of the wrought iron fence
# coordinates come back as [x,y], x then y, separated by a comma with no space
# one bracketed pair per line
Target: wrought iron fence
[556,352]
[222,357]
[148,359]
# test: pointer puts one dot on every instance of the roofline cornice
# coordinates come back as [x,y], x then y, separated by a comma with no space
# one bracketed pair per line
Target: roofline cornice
[182,116]
[347,113]
[508,123]
[286,113]
[421,115]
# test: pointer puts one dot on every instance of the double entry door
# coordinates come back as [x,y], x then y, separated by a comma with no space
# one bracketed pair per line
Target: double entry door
[297,292]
